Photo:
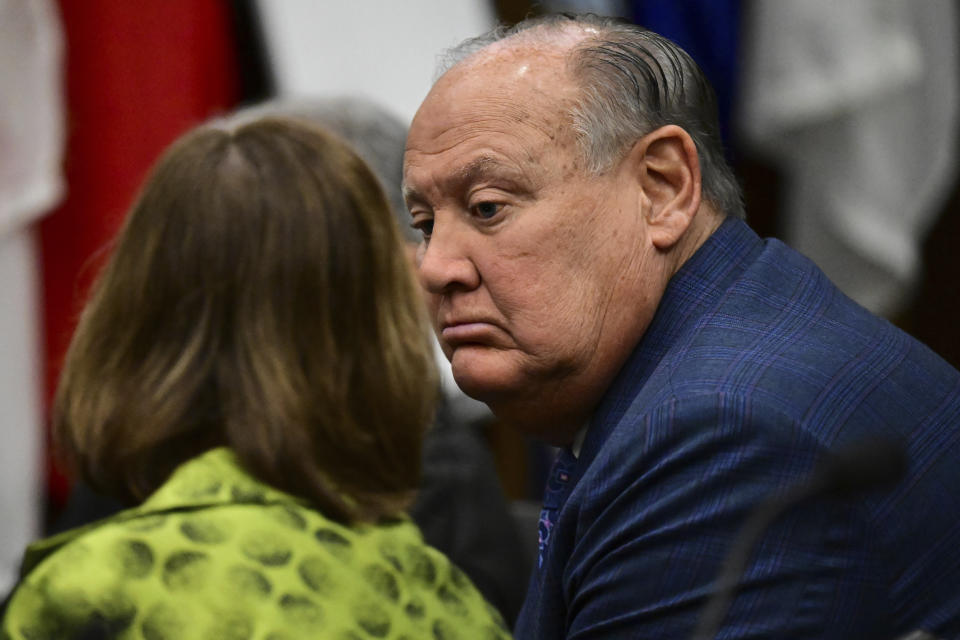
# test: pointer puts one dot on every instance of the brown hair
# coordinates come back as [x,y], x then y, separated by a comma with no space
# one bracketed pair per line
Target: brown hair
[257,297]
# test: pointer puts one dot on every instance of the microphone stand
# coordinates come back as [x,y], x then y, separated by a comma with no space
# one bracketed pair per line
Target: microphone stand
[865,464]
[735,562]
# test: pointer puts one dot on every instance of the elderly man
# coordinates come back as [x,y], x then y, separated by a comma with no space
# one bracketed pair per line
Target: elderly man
[592,281]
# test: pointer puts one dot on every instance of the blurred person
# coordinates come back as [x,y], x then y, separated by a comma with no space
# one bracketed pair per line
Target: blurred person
[252,372]
[378,137]
[591,279]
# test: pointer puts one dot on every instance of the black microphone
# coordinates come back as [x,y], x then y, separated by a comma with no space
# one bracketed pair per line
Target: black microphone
[863,465]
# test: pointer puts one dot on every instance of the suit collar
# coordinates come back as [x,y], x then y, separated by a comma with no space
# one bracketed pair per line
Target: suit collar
[696,287]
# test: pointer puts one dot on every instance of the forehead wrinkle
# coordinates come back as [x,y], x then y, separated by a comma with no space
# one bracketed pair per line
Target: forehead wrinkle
[489,159]
[493,120]
[493,105]
[472,108]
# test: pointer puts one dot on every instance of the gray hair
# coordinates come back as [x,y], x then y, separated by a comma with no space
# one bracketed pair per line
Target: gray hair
[377,135]
[632,81]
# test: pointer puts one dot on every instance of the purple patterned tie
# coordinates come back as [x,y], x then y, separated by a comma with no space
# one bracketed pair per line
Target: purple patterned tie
[558,488]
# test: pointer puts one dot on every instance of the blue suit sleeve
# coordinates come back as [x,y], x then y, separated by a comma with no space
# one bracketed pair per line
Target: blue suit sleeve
[660,506]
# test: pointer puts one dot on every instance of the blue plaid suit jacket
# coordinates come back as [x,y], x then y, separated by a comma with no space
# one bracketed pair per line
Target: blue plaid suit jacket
[753,367]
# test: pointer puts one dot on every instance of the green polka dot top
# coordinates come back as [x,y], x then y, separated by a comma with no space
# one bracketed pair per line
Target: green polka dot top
[216,554]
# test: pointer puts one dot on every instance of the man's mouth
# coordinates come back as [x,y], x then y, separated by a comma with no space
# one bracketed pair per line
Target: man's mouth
[461,333]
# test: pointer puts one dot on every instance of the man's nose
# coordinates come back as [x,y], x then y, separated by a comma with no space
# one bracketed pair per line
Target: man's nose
[445,263]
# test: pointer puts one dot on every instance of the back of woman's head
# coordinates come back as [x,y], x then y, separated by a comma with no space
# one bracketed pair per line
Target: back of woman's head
[257,297]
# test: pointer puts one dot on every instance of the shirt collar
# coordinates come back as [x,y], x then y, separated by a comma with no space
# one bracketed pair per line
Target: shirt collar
[578,439]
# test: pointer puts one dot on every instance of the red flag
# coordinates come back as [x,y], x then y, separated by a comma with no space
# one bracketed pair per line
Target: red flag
[138,74]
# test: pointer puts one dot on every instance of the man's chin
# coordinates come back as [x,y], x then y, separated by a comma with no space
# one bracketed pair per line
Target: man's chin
[483,388]
[529,400]
[484,374]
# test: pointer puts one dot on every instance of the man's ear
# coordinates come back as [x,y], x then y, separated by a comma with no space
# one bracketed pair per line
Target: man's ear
[666,164]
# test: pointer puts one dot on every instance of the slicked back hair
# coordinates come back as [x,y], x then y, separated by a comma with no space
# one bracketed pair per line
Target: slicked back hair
[258,297]
[632,81]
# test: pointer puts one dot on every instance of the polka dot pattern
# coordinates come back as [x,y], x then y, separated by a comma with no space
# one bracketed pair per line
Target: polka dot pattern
[214,554]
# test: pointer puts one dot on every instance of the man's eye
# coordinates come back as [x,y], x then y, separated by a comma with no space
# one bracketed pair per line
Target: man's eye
[424,226]
[487,209]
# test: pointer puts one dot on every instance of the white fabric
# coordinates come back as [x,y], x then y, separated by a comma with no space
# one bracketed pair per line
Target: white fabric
[463,409]
[31,182]
[859,101]
[382,50]
[578,439]
[31,112]
[378,49]
[21,425]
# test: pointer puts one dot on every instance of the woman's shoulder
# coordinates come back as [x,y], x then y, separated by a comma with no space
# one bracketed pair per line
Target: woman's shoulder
[247,565]
[77,582]
[402,579]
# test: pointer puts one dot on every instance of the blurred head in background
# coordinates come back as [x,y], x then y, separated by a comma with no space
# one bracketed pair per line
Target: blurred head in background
[379,137]
[376,134]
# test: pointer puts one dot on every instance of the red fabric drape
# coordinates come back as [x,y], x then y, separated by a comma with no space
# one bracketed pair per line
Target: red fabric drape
[138,74]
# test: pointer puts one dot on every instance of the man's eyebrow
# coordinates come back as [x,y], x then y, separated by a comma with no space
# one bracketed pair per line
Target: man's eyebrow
[484,166]
[476,169]
[409,193]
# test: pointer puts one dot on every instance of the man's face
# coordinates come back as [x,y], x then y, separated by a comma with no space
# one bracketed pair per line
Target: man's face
[540,276]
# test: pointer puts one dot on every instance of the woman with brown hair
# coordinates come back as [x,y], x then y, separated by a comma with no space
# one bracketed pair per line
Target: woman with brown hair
[253,371]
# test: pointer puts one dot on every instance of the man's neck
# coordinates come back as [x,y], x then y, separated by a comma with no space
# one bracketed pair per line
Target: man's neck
[701,228]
